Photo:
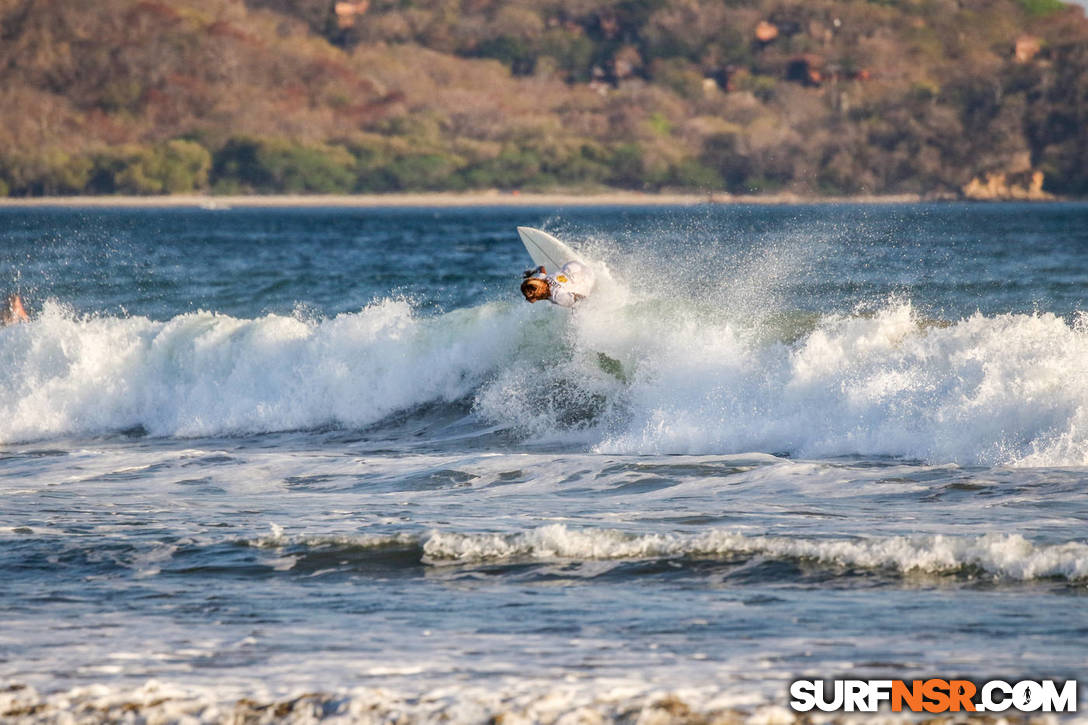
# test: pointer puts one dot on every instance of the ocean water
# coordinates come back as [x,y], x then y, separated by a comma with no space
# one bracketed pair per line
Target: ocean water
[325,463]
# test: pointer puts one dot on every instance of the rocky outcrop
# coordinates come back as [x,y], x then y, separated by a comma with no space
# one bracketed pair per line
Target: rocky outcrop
[766,32]
[1026,48]
[346,12]
[1002,186]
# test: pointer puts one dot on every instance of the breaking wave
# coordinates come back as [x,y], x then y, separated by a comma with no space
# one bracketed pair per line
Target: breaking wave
[210,374]
[620,375]
[1008,557]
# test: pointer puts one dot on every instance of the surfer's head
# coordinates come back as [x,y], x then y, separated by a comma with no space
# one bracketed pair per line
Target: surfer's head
[535,289]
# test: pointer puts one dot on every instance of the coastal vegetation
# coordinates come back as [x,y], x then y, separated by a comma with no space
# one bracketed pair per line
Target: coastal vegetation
[945,98]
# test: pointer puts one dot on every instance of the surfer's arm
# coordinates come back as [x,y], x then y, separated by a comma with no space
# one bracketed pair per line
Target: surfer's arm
[564,298]
[13,311]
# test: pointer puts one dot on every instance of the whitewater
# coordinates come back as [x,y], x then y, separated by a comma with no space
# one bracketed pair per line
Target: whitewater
[1008,389]
[324,465]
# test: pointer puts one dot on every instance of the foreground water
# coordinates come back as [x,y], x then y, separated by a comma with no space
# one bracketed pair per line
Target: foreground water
[324,463]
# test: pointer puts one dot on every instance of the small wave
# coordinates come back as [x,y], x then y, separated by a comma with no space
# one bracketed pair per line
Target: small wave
[1001,557]
[369,552]
[1008,556]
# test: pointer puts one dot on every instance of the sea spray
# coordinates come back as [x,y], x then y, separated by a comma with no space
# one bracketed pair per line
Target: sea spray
[990,390]
[1004,389]
[209,374]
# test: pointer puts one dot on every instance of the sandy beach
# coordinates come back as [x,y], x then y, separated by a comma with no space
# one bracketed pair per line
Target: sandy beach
[485,198]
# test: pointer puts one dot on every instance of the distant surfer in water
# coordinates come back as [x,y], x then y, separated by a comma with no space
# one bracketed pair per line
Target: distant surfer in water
[13,311]
[573,282]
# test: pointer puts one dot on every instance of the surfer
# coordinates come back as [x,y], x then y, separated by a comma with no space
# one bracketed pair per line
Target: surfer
[13,311]
[573,282]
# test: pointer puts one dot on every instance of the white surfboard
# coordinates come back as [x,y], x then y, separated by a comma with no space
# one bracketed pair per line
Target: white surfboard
[546,250]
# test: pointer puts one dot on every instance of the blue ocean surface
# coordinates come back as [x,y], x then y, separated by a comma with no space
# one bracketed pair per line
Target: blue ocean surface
[305,464]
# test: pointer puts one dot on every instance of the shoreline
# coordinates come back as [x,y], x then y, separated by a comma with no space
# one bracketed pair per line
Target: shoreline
[443,200]
[487,198]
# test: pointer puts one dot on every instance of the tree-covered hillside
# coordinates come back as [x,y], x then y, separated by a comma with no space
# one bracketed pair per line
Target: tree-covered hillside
[945,97]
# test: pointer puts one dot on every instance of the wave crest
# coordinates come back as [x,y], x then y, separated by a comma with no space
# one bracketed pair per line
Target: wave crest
[209,374]
[1002,390]
[1010,557]
[620,375]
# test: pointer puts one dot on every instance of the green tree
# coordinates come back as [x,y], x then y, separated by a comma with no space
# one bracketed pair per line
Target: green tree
[46,173]
[279,165]
[175,167]
[722,152]
[627,169]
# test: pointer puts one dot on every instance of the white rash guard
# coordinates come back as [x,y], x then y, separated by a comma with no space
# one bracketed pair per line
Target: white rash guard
[573,282]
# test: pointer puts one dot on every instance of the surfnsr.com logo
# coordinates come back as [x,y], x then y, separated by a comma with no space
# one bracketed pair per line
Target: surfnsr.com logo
[933,696]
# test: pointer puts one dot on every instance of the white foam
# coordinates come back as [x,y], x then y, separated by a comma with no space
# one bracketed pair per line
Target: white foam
[279,540]
[731,697]
[207,374]
[1003,390]
[1008,556]
[1010,389]
[515,701]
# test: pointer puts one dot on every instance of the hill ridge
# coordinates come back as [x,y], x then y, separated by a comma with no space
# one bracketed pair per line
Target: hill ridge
[975,98]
